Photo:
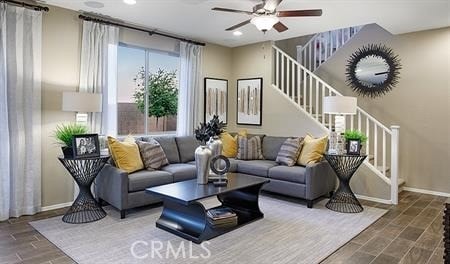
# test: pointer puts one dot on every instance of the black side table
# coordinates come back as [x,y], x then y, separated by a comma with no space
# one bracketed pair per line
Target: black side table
[447,231]
[85,208]
[344,200]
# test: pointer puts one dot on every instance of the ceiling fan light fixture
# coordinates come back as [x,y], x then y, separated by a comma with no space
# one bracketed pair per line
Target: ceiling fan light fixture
[130,2]
[264,23]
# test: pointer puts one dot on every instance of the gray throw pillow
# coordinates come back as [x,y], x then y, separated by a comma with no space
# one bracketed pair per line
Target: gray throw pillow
[289,151]
[249,148]
[152,154]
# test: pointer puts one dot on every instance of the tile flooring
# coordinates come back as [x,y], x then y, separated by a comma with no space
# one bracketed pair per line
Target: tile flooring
[410,232]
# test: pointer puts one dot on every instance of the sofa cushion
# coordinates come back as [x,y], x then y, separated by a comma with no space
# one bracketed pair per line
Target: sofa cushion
[170,148]
[234,164]
[255,167]
[271,146]
[181,172]
[186,148]
[292,174]
[143,179]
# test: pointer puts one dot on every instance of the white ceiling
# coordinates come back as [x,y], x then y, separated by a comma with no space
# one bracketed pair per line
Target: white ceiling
[194,18]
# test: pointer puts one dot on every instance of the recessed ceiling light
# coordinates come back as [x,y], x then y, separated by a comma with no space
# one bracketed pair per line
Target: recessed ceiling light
[94,4]
[129,2]
[237,33]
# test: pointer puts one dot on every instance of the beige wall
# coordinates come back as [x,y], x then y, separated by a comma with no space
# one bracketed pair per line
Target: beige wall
[280,118]
[61,45]
[420,103]
[61,52]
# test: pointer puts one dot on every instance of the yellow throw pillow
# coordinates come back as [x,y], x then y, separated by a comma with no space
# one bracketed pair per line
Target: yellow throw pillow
[125,154]
[230,143]
[313,150]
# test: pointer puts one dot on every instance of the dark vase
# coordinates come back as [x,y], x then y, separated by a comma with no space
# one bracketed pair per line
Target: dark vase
[68,152]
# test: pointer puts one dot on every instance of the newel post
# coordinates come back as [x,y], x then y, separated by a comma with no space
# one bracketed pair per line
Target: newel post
[394,163]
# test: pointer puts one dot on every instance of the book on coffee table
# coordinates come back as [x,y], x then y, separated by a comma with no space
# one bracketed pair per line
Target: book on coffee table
[222,217]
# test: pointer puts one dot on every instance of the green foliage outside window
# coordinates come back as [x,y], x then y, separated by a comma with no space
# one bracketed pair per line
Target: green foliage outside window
[162,93]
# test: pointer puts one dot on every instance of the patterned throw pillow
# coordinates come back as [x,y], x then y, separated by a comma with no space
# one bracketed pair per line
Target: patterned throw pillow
[152,154]
[289,151]
[230,143]
[249,148]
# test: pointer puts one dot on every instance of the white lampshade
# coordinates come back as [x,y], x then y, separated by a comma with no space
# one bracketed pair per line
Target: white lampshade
[81,102]
[264,22]
[344,105]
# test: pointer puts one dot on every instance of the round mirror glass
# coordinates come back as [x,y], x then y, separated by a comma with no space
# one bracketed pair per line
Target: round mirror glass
[372,70]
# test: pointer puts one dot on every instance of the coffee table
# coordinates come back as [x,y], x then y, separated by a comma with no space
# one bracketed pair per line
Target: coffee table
[184,216]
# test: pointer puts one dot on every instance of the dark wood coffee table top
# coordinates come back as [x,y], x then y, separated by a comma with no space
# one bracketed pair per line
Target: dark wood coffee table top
[189,191]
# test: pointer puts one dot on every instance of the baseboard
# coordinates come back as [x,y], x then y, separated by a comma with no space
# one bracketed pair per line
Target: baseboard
[416,190]
[373,199]
[55,206]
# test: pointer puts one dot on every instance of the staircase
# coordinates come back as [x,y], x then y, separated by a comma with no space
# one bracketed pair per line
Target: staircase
[305,90]
[323,45]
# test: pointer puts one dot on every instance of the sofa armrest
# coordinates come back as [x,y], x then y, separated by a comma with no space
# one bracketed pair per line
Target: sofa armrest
[112,186]
[320,180]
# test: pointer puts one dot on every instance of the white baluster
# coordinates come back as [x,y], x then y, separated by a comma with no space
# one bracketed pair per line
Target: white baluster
[282,74]
[359,120]
[304,89]
[288,74]
[323,95]
[375,145]
[277,73]
[367,134]
[310,94]
[299,83]
[326,47]
[394,163]
[317,90]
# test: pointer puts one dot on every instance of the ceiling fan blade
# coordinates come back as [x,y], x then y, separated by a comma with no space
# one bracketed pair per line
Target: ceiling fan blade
[271,4]
[300,13]
[232,10]
[238,25]
[280,27]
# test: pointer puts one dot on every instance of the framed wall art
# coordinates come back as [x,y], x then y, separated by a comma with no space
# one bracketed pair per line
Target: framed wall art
[249,101]
[216,99]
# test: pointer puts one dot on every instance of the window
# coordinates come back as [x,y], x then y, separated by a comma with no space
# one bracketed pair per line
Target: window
[152,108]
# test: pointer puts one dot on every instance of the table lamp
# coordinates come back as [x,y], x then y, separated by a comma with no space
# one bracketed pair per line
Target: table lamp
[82,103]
[339,106]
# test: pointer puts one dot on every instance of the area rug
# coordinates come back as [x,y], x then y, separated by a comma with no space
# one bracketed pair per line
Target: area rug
[288,233]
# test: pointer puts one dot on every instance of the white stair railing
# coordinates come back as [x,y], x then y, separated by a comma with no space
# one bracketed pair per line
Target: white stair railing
[306,90]
[323,45]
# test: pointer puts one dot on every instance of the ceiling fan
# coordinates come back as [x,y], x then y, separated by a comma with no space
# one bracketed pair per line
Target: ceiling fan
[266,16]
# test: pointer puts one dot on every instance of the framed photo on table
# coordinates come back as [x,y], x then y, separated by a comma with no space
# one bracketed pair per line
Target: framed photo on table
[216,99]
[249,101]
[353,147]
[85,146]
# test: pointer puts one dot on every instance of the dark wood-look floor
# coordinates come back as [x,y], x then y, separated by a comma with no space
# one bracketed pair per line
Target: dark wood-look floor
[411,232]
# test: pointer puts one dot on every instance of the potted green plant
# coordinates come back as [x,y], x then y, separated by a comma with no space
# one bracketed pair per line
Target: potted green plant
[64,135]
[354,140]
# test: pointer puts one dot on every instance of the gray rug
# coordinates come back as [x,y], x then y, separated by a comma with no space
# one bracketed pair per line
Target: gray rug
[289,233]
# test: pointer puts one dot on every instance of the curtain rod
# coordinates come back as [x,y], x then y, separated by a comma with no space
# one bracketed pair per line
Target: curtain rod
[26,5]
[150,32]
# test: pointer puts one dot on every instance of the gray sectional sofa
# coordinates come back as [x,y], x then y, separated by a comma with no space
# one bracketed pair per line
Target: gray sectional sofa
[125,191]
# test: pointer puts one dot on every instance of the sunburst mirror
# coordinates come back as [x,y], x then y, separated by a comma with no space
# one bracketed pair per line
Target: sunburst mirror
[373,70]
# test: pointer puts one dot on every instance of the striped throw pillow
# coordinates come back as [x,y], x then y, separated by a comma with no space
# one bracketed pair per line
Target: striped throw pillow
[152,154]
[249,148]
[289,151]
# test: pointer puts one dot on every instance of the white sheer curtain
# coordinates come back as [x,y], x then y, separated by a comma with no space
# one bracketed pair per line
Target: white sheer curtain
[98,73]
[190,97]
[20,111]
